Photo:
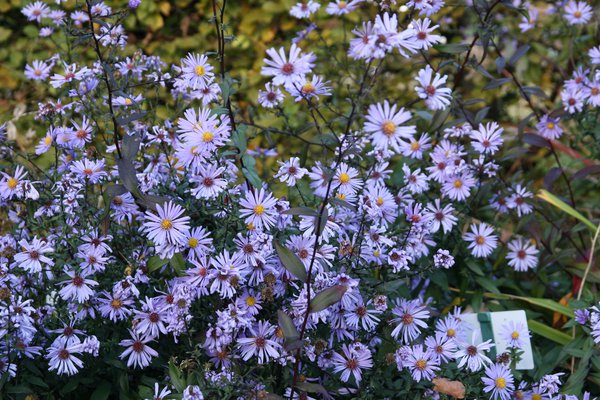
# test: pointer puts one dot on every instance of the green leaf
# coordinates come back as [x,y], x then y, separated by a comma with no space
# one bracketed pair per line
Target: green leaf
[342,203]
[548,304]
[520,52]
[177,262]
[130,146]
[176,377]
[102,392]
[34,380]
[496,83]
[155,262]
[113,190]
[20,389]
[150,201]
[313,388]
[321,221]
[535,139]
[452,48]
[440,279]
[327,298]
[130,118]
[219,111]
[290,333]
[558,203]
[290,261]
[500,64]
[473,266]
[301,211]
[549,333]
[439,118]
[252,177]
[535,91]
[239,139]
[481,114]
[487,284]
[127,174]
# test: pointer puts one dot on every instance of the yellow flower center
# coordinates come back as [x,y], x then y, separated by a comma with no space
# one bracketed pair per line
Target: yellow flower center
[48,140]
[376,253]
[550,125]
[341,196]
[128,101]
[199,70]
[193,243]
[514,335]
[379,201]
[577,14]
[458,183]
[250,301]
[259,209]
[116,303]
[342,4]
[250,226]
[389,128]
[166,224]
[414,146]
[421,364]
[501,383]
[451,332]
[536,396]
[344,178]
[207,137]
[308,88]
[480,240]
[12,183]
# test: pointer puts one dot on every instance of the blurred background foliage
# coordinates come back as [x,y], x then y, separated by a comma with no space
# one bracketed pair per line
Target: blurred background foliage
[171,29]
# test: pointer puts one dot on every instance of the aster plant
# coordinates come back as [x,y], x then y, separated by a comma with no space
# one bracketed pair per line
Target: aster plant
[160,252]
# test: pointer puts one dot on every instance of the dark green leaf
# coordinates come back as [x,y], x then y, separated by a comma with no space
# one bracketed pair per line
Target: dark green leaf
[496,83]
[452,48]
[155,262]
[439,118]
[313,388]
[130,118]
[150,201]
[309,212]
[252,177]
[176,377]
[113,190]
[520,52]
[290,333]
[177,262]
[102,391]
[327,298]
[500,64]
[130,146]
[290,261]
[481,114]
[535,140]
[535,91]
[127,174]
[487,284]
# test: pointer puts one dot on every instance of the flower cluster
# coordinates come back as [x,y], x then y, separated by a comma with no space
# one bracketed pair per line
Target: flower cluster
[158,245]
